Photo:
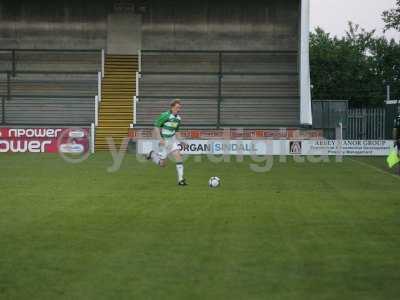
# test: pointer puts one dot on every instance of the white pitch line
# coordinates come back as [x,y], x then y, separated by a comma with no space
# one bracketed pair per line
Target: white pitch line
[374,168]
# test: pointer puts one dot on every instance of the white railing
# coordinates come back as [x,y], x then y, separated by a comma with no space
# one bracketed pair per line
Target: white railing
[99,85]
[135,100]
[92,138]
[102,62]
[140,61]
[96,111]
[136,97]
[305,85]
[137,83]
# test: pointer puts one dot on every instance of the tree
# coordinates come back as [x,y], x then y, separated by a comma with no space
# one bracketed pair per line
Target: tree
[356,67]
[392,17]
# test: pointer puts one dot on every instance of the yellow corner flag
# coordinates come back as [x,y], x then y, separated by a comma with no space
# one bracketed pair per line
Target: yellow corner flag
[393,158]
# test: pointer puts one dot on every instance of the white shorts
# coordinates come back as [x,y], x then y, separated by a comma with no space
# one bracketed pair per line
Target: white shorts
[171,145]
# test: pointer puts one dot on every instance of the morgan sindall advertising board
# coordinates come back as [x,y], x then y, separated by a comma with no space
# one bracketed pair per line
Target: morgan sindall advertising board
[278,147]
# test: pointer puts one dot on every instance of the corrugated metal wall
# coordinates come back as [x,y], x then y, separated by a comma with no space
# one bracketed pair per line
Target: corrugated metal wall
[221,25]
[48,24]
[327,114]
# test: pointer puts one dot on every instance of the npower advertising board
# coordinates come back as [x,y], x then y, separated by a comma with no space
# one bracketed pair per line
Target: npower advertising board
[44,140]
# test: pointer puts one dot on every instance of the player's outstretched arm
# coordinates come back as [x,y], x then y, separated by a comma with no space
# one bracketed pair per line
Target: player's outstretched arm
[159,122]
[180,138]
[157,133]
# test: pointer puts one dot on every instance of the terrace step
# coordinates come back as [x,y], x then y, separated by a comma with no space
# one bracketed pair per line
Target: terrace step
[116,106]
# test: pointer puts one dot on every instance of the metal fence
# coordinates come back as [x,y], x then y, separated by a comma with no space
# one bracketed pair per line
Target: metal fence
[370,123]
[366,123]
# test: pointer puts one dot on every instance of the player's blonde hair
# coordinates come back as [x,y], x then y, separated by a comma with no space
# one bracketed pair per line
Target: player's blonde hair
[174,102]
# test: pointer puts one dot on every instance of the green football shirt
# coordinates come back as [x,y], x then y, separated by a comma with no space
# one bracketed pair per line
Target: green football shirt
[168,123]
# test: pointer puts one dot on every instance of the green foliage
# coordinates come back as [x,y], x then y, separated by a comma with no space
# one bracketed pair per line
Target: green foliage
[356,67]
[392,17]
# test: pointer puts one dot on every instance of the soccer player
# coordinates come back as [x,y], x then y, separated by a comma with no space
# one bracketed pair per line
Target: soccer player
[166,130]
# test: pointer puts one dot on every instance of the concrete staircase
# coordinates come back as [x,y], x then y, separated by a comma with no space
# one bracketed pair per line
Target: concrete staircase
[116,107]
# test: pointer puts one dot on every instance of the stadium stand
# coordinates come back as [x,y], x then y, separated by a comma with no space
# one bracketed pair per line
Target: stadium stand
[260,100]
[47,60]
[48,87]
[241,88]
[1,108]
[199,96]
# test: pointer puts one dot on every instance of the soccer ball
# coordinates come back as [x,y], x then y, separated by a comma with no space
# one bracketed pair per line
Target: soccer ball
[214,182]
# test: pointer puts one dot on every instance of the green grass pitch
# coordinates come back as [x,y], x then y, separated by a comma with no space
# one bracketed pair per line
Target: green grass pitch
[300,231]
